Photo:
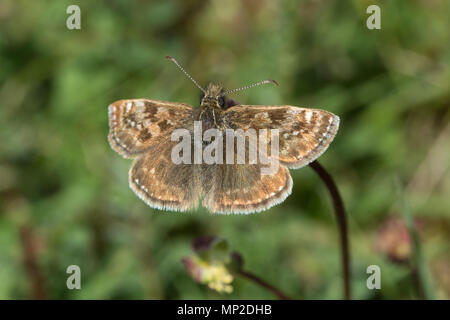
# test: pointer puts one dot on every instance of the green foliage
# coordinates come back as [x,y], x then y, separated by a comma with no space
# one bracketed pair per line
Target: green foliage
[60,179]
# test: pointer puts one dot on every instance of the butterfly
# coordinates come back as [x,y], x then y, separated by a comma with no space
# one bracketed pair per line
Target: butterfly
[141,129]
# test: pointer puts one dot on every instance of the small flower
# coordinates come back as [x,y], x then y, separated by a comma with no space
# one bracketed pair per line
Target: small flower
[393,240]
[213,263]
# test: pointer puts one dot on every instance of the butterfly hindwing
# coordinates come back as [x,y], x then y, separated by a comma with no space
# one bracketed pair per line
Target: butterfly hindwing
[162,184]
[243,188]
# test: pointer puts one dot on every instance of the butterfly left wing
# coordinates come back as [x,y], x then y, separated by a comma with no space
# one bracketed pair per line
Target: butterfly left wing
[136,124]
[162,184]
[304,134]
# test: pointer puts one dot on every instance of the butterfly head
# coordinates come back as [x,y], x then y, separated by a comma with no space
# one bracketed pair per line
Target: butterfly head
[214,96]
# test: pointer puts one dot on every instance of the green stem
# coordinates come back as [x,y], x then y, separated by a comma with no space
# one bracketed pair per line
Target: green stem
[418,268]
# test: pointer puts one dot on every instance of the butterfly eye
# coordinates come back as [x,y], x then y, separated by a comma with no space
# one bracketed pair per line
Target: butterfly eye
[201,97]
[221,101]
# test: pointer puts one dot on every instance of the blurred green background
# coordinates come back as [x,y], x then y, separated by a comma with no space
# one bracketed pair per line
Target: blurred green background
[64,195]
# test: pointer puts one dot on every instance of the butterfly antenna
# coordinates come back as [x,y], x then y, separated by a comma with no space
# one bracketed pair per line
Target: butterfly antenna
[252,85]
[185,72]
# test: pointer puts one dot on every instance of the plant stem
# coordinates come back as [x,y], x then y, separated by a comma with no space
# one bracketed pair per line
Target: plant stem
[263,284]
[418,266]
[31,265]
[341,221]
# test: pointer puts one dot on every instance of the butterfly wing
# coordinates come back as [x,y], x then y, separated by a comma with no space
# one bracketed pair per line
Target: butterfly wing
[229,188]
[162,184]
[141,129]
[137,124]
[304,134]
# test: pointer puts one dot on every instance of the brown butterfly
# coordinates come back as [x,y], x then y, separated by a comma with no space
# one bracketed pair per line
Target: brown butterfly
[142,128]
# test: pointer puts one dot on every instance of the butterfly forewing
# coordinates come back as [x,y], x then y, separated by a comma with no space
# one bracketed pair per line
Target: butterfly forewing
[137,124]
[304,134]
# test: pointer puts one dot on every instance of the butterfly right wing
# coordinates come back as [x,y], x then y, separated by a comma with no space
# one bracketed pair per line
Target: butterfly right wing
[234,188]
[137,124]
[304,134]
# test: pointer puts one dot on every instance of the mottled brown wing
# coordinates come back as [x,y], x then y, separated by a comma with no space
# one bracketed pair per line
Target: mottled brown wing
[137,124]
[242,188]
[162,184]
[304,134]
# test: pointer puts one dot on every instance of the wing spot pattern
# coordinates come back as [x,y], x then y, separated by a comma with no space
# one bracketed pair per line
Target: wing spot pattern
[129,105]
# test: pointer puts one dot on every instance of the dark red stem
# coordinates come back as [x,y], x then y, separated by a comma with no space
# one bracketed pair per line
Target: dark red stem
[341,221]
[31,265]
[264,284]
